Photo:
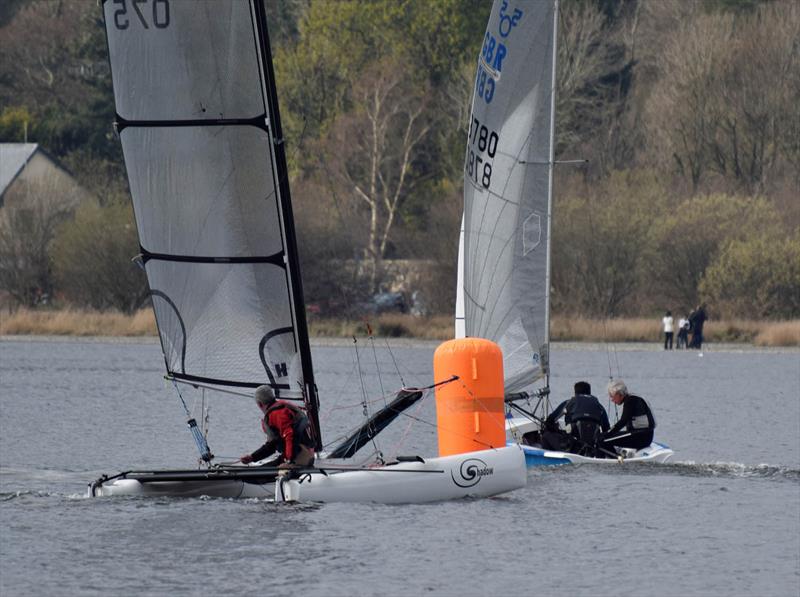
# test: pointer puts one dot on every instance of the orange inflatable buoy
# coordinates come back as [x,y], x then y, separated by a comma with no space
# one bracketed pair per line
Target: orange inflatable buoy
[469,411]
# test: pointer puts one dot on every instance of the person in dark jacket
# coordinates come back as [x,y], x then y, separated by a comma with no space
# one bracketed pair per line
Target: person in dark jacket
[287,429]
[635,427]
[585,421]
[696,320]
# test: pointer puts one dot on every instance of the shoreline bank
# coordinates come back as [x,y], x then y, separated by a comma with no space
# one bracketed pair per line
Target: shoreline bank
[395,343]
[402,329]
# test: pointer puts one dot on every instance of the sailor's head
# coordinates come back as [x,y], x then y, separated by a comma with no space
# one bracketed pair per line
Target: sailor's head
[264,396]
[583,387]
[617,391]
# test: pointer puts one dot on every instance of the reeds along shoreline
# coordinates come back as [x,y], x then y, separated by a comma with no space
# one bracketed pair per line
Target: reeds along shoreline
[75,322]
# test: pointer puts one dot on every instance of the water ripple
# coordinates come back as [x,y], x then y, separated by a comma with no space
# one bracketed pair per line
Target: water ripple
[729,470]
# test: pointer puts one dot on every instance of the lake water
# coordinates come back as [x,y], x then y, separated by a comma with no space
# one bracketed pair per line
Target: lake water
[722,519]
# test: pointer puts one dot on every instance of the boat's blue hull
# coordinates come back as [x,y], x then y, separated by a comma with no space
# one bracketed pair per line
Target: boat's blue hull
[535,457]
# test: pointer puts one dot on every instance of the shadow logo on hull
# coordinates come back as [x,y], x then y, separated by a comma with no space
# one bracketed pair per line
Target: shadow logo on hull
[470,472]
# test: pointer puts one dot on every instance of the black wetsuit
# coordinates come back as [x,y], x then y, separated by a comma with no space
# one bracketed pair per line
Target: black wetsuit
[588,421]
[634,428]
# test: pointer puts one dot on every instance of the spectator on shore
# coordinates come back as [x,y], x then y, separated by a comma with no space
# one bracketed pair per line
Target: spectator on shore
[696,320]
[668,330]
[683,332]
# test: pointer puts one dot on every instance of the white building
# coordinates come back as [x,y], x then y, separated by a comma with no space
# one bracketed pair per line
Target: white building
[22,163]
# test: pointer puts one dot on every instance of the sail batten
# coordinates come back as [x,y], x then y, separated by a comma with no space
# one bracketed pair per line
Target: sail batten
[200,131]
[504,257]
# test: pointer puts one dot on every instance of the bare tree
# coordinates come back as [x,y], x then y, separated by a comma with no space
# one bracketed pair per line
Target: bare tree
[34,67]
[759,85]
[579,64]
[594,70]
[374,149]
[29,218]
[723,103]
[683,113]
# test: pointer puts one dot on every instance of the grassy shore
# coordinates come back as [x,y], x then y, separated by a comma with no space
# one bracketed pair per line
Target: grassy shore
[72,322]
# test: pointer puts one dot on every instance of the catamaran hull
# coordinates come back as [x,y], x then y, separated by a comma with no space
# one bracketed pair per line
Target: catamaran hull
[210,488]
[476,474]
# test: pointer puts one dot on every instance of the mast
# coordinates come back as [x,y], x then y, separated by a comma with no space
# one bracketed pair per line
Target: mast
[310,395]
[550,195]
[461,324]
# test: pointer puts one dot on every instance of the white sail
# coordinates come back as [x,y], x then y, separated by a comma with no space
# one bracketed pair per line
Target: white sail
[198,122]
[507,188]
[198,119]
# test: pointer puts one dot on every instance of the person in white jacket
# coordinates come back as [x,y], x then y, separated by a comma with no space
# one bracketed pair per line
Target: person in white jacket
[683,332]
[668,330]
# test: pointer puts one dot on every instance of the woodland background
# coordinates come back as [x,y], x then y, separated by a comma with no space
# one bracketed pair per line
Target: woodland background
[686,111]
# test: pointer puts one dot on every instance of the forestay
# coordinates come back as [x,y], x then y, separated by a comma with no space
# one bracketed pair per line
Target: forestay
[507,188]
[198,121]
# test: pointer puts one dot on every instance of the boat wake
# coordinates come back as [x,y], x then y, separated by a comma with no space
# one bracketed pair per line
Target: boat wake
[735,470]
[7,496]
[728,470]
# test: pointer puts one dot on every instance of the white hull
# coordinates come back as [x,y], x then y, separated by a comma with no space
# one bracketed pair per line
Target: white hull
[476,474]
[655,452]
[536,456]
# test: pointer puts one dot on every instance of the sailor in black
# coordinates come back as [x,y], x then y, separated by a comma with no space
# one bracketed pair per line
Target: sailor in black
[635,427]
[585,421]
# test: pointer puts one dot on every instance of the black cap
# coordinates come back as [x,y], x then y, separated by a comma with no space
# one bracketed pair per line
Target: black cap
[583,387]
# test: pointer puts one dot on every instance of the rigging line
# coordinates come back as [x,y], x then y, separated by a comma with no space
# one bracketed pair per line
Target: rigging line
[363,390]
[404,436]
[436,426]
[377,365]
[481,403]
[407,389]
[197,384]
[423,390]
[369,402]
[604,320]
[396,368]
[200,441]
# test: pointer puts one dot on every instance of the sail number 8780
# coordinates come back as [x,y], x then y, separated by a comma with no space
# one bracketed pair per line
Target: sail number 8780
[478,168]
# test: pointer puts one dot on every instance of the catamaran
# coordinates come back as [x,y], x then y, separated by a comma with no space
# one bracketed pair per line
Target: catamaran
[197,115]
[503,290]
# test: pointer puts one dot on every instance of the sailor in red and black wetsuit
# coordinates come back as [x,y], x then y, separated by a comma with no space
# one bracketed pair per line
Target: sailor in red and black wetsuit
[635,427]
[287,429]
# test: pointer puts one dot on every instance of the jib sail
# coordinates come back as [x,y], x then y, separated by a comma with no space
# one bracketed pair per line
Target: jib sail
[504,274]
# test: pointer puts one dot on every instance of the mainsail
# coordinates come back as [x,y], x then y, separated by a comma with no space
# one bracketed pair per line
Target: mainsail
[197,115]
[504,277]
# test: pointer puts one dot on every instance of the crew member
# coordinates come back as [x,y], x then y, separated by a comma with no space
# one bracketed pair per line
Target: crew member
[584,420]
[635,427]
[288,432]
